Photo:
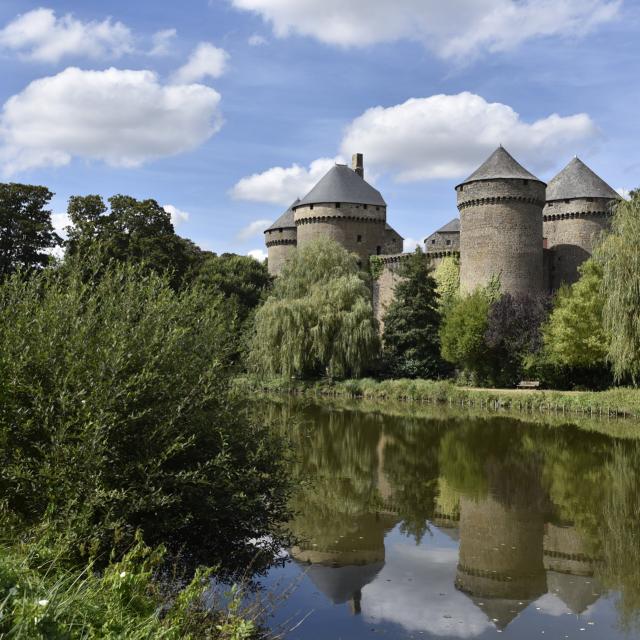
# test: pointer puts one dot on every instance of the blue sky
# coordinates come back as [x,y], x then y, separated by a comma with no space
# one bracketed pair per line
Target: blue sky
[220,107]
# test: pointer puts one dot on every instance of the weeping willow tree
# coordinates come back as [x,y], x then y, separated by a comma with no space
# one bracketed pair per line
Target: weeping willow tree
[620,257]
[319,318]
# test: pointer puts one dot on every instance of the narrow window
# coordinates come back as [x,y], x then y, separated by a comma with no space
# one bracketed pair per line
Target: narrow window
[589,199]
[461,187]
[377,208]
[364,206]
[551,204]
[311,207]
[525,182]
[567,201]
[433,241]
[448,241]
[378,250]
[359,239]
[337,205]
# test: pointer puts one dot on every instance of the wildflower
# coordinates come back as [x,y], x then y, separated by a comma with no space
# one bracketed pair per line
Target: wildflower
[43,603]
[123,574]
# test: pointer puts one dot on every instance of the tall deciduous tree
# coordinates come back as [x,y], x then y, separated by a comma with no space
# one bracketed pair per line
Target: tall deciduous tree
[447,276]
[620,257]
[319,317]
[411,325]
[26,232]
[574,335]
[131,230]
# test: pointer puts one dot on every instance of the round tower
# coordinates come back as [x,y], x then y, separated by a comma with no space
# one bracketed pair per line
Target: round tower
[578,209]
[500,208]
[281,240]
[345,208]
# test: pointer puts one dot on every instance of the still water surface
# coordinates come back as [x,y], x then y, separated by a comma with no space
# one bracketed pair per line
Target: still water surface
[458,527]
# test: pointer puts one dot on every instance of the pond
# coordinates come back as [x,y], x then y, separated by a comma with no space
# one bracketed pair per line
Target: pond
[454,526]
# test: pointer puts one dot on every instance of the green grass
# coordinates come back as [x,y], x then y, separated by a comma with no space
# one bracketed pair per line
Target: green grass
[618,402]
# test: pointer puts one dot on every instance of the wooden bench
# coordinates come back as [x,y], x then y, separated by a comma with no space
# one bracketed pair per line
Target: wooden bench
[528,384]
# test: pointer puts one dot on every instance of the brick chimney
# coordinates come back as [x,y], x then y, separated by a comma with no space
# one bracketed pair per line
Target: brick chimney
[357,164]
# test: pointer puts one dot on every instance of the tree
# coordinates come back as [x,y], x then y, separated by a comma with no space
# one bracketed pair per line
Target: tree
[26,232]
[241,278]
[319,317]
[462,336]
[447,276]
[574,335]
[513,333]
[619,254]
[131,230]
[412,322]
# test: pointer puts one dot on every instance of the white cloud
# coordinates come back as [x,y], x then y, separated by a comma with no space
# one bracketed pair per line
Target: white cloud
[280,185]
[162,41]
[178,216]
[124,118]
[205,61]
[448,136]
[410,245]
[456,29]
[253,229]
[257,40]
[258,254]
[624,193]
[41,36]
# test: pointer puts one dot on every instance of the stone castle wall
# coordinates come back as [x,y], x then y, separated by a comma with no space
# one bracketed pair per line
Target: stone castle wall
[501,234]
[281,243]
[358,228]
[572,229]
[383,288]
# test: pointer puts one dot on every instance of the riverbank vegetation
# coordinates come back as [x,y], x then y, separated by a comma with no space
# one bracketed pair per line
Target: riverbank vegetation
[127,460]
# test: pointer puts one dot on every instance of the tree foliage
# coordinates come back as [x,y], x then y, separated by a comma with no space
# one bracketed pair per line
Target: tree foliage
[462,335]
[318,318]
[514,333]
[117,416]
[131,230]
[620,257]
[26,232]
[447,276]
[412,322]
[574,335]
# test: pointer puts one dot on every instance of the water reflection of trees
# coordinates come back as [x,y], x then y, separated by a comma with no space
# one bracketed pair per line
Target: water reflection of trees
[573,494]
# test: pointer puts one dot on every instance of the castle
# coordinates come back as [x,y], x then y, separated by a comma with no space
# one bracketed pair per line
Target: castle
[531,235]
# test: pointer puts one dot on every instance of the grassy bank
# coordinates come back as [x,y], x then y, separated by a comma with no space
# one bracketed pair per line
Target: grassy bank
[614,403]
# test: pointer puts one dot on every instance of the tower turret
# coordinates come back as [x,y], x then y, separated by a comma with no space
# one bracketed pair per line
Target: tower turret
[281,240]
[578,209]
[345,208]
[500,208]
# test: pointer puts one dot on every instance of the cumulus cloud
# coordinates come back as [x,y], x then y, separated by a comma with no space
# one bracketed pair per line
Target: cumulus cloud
[282,185]
[258,254]
[178,216]
[455,30]
[124,118]
[205,61]
[162,41]
[41,36]
[253,229]
[448,136]
[410,245]
[624,193]
[257,40]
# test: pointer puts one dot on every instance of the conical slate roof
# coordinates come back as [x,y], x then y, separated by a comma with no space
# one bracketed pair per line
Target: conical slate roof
[342,184]
[285,221]
[500,164]
[453,226]
[340,584]
[576,180]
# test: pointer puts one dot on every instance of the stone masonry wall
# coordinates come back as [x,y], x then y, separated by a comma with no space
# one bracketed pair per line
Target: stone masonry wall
[501,234]
[358,229]
[572,229]
[281,243]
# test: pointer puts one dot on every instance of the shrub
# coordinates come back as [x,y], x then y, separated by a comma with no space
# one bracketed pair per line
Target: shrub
[116,415]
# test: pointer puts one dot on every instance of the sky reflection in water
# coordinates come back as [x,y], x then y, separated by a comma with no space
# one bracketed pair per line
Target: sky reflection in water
[459,528]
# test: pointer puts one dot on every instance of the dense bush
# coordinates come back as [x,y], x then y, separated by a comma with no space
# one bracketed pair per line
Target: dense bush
[116,416]
[318,319]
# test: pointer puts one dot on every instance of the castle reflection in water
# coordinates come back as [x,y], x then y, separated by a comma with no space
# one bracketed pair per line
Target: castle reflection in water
[529,510]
